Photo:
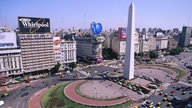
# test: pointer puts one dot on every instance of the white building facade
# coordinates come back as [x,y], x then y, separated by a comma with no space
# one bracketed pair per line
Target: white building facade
[68,51]
[10,55]
[118,45]
[10,62]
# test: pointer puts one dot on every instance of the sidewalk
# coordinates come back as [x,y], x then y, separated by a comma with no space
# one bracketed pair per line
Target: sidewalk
[11,88]
[35,100]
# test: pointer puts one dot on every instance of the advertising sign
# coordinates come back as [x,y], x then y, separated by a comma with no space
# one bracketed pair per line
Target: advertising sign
[31,25]
[8,40]
[56,43]
[122,32]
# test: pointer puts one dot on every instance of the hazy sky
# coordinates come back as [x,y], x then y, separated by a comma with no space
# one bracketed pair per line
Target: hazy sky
[166,14]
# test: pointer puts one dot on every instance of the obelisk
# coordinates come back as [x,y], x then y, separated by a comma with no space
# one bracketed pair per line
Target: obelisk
[128,72]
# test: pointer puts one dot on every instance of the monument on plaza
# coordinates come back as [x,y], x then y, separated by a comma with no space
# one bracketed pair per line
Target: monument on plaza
[128,72]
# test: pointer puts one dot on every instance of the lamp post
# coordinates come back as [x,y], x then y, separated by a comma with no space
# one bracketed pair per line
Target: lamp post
[49,72]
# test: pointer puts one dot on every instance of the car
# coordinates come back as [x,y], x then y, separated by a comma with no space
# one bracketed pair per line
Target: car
[120,83]
[173,91]
[5,94]
[140,92]
[158,104]
[169,104]
[165,94]
[178,88]
[129,87]
[24,94]
[23,89]
[183,93]
[68,72]
[149,102]
[28,85]
[2,102]
[164,99]
[161,93]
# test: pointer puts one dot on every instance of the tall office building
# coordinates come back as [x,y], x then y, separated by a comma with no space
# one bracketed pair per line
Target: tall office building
[37,52]
[129,53]
[89,48]
[36,44]
[186,37]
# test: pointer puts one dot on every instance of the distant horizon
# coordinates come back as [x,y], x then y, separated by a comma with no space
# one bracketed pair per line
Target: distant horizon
[111,14]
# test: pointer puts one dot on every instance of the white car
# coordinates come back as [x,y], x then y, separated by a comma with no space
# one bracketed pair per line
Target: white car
[1,102]
[68,72]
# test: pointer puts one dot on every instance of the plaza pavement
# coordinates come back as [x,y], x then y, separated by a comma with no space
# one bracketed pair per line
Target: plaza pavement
[70,92]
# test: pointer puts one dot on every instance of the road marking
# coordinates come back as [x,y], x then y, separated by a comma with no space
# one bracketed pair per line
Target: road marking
[17,104]
[83,72]
[23,105]
[187,84]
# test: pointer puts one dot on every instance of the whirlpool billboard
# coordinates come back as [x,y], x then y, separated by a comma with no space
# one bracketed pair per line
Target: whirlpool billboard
[32,25]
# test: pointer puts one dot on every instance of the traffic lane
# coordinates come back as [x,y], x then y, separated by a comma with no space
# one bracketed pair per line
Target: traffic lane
[179,90]
[98,68]
[159,98]
[15,99]
[95,70]
[13,96]
[178,93]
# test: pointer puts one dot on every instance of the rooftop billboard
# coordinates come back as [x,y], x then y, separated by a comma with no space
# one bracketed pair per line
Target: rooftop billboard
[8,40]
[31,25]
[56,43]
[122,32]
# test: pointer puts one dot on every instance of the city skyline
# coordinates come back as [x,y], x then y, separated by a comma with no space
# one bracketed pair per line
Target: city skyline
[111,14]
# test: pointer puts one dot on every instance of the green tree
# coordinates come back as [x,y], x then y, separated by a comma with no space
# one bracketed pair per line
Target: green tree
[141,54]
[55,69]
[176,51]
[72,65]
[153,54]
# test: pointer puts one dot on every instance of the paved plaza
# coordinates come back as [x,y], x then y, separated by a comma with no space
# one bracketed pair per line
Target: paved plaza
[107,90]
[70,92]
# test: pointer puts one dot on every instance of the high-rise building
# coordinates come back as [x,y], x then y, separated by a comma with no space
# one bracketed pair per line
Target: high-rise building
[36,44]
[37,52]
[118,45]
[129,53]
[186,37]
[89,48]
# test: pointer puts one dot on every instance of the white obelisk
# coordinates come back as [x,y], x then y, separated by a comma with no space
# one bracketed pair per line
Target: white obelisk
[128,72]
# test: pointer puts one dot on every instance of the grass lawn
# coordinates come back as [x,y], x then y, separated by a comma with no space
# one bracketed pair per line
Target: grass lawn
[54,98]
[181,73]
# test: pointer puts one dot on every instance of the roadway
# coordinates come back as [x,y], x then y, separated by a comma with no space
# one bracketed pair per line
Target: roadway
[18,98]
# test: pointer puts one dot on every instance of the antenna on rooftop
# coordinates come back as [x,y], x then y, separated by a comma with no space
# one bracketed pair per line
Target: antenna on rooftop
[84,20]
[62,23]
[188,22]
[0,19]
[5,20]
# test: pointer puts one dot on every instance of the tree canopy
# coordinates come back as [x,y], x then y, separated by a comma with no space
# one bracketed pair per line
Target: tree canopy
[72,65]
[55,69]
[153,54]
[176,51]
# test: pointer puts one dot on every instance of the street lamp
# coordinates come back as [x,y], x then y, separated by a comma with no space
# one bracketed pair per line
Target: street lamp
[49,72]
